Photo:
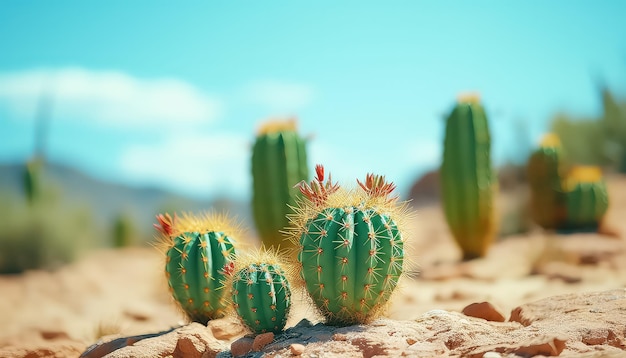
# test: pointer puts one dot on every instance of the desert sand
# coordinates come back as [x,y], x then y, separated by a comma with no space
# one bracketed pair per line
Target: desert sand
[539,293]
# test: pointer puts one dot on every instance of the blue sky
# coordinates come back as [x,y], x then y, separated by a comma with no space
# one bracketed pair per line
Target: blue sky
[152,93]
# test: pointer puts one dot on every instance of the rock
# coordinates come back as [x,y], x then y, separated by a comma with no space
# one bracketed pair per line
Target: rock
[296,349]
[484,310]
[49,334]
[568,273]
[262,340]
[339,337]
[49,349]
[193,340]
[242,346]
[593,319]
[226,329]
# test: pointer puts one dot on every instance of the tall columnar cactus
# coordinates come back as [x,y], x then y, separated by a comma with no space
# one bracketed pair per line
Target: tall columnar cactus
[351,246]
[587,198]
[545,172]
[467,178]
[200,254]
[261,293]
[279,162]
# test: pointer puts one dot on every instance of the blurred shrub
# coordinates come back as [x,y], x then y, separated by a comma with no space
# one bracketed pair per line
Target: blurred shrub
[124,230]
[44,235]
[599,141]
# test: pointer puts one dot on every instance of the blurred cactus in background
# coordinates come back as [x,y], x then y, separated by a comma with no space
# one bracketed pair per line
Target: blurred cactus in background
[124,231]
[545,171]
[587,198]
[32,179]
[468,181]
[279,162]
[565,198]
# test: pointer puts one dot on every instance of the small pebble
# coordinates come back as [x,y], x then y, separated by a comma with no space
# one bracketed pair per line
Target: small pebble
[484,310]
[339,337]
[296,349]
[262,340]
[492,355]
[411,341]
[241,347]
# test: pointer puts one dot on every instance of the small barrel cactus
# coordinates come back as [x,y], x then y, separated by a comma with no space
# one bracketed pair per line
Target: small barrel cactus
[467,180]
[261,293]
[587,198]
[279,162]
[200,253]
[351,247]
[545,172]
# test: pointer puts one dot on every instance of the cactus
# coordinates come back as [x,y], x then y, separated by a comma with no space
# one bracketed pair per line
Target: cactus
[351,246]
[123,230]
[279,162]
[587,198]
[32,181]
[545,172]
[467,178]
[200,252]
[261,293]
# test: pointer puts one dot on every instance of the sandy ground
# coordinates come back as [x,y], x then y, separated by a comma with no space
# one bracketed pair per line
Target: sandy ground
[118,293]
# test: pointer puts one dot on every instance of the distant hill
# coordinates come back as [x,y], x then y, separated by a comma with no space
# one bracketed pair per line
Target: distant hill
[107,199]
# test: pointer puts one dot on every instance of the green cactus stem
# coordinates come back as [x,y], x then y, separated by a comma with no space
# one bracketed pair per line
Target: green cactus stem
[32,179]
[587,198]
[467,179]
[261,296]
[200,252]
[545,172]
[279,162]
[351,247]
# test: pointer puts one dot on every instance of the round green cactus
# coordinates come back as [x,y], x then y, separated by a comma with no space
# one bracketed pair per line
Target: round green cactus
[261,295]
[351,247]
[587,198]
[199,256]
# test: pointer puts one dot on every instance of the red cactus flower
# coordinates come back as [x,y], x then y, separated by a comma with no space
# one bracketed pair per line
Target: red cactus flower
[166,224]
[318,191]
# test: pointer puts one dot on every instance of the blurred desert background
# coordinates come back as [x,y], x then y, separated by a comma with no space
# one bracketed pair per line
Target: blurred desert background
[113,113]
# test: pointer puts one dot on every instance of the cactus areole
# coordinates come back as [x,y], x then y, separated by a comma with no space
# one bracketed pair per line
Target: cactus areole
[352,255]
[262,297]
[197,262]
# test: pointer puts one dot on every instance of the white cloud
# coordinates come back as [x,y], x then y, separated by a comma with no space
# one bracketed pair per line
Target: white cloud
[279,96]
[195,164]
[423,153]
[110,98]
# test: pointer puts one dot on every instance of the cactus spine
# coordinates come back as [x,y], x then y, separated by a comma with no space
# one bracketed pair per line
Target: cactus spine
[199,255]
[545,172]
[261,294]
[351,247]
[279,162]
[467,178]
[587,198]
